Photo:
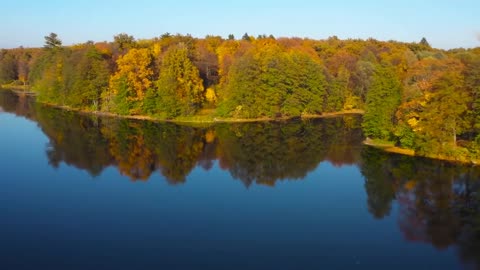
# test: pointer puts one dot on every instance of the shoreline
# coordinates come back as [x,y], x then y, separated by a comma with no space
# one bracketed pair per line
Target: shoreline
[384,146]
[390,148]
[214,120]
[196,119]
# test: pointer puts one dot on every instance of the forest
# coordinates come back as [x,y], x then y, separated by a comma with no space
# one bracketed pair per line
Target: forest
[411,95]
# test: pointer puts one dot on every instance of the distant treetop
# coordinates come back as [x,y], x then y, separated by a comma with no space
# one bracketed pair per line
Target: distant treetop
[52,41]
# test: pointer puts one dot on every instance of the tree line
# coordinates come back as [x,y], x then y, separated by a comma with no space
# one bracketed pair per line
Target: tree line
[414,95]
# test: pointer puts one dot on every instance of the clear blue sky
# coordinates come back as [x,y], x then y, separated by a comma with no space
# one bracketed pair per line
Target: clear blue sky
[445,24]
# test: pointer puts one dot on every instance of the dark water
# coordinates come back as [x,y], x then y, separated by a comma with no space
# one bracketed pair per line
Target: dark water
[80,192]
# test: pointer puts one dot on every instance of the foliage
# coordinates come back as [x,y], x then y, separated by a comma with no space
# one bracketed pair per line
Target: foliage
[8,72]
[268,81]
[180,89]
[418,96]
[129,84]
[124,41]
[382,101]
[91,76]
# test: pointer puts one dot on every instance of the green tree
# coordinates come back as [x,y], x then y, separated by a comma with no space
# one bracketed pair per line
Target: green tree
[180,90]
[90,79]
[338,90]
[124,42]
[48,78]
[268,81]
[382,101]
[307,85]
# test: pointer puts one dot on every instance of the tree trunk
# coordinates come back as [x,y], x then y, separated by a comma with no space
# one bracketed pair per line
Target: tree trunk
[454,133]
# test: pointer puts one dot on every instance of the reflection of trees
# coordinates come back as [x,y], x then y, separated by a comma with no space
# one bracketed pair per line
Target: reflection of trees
[126,144]
[253,152]
[378,183]
[266,152]
[18,104]
[177,148]
[74,139]
[439,202]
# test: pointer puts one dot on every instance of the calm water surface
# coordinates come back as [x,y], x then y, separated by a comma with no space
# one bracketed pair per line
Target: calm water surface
[81,192]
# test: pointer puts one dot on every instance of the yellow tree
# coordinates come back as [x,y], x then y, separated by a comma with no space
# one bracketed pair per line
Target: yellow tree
[433,105]
[225,53]
[130,82]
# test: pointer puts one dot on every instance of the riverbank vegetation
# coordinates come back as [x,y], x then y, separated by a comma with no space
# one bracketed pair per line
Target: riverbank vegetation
[414,96]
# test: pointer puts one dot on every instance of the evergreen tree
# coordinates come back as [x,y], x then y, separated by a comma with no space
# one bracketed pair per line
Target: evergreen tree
[52,41]
[246,37]
[424,42]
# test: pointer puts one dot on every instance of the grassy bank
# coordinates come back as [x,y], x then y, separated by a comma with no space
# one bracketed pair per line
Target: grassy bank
[205,116]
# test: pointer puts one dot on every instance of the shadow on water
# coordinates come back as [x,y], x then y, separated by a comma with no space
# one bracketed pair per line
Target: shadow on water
[439,202]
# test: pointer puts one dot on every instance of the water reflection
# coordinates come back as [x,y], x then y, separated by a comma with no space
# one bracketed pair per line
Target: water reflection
[253,152]
[438,202]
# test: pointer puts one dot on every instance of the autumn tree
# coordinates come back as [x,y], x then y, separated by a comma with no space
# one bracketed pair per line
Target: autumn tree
[8,64]
[179,89]
[423,98]
[130,82]
[442,118]
[23,66]
[471,74]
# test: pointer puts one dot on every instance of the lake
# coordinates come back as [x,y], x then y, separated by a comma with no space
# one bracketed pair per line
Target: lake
[85,192]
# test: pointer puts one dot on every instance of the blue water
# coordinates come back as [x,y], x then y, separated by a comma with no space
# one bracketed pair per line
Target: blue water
[65,218]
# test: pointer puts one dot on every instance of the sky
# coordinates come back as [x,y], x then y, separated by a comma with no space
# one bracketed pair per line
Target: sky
[445,24]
